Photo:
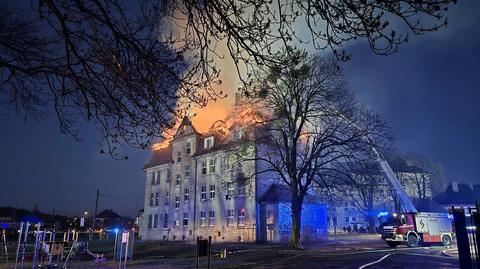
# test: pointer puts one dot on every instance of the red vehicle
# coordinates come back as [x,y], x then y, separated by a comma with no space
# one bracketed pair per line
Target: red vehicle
[413,229]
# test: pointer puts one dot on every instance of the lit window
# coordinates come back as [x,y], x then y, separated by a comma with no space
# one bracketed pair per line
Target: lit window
[212,191]
[179,156]
[189,148]
[177,202]
[186,194]
[187,171]
[204,192]
[185,219]
[208,142]
[212,165]
[204,168]
[211,218]
[203,218]
[230,215]
[241,217]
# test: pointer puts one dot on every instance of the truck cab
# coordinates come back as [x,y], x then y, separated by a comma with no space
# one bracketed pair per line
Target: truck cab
[413,229]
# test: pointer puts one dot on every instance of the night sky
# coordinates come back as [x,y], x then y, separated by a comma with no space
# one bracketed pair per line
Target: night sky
[429,92]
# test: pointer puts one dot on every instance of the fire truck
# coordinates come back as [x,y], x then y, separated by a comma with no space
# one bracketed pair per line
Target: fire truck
[418,228]
[412,227]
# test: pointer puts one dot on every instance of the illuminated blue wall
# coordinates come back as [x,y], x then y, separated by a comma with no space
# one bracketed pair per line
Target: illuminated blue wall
[314,221]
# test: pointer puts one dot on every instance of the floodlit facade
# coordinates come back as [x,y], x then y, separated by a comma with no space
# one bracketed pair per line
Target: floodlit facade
[197,185]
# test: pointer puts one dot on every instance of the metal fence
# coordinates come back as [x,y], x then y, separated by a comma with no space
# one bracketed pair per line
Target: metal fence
[467,230]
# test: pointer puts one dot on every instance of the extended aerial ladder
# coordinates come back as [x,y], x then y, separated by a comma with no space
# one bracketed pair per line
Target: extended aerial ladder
[405,202]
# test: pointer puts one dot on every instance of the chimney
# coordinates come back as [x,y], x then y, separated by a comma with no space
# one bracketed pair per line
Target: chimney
[238,98]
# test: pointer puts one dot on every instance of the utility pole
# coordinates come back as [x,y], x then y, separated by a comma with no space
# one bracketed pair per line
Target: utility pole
[96,208]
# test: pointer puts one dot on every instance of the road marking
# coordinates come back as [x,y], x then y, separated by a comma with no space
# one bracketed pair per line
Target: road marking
[374,262]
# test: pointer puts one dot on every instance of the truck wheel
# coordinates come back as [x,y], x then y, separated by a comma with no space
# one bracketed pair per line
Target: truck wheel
[412,241]
[446,240]
[393,244]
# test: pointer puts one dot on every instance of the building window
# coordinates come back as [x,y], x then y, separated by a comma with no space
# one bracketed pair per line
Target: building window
[185,219]
[167,198]
[238,135]
[187,171]
[347,220]
[230,189]
[203,218]
[186,194]
[241,190]
[157,199]
[211,218]
[204,168]
[152,182]
[208,142]
[177,202]
[179,156]
[157,177]
[212,191]
[165,220]
[177,180]
[189,148]
[230,216]
[155,221]
[204,192]
[354,219]
[241,217]
[212,165]
[152,199]
[150,221]
[176,223]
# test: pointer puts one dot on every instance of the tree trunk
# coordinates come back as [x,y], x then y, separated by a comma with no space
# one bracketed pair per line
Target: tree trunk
[371,223]
[295,240]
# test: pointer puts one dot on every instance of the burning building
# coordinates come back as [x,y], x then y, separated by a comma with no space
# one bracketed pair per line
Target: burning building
[200,185]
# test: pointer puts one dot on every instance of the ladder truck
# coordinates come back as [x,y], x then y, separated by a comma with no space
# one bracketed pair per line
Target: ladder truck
[409,226]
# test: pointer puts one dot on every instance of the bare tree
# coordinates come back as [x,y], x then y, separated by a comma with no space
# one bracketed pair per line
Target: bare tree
[368,192]
[97,60]
[314,128]
[425,176]
[127,65]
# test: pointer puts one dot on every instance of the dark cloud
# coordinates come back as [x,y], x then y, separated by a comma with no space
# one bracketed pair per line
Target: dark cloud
[429,91]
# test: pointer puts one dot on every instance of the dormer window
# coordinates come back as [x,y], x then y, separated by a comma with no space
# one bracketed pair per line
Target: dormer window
[208,142]
[189,148]
[238,134]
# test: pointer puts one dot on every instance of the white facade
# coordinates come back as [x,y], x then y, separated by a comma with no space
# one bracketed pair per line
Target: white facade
[196,188]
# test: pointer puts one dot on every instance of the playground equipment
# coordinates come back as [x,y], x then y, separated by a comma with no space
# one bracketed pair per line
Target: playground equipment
[47,251]
[3,246]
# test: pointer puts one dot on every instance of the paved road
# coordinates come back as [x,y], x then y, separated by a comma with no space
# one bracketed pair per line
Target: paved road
[366,252]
